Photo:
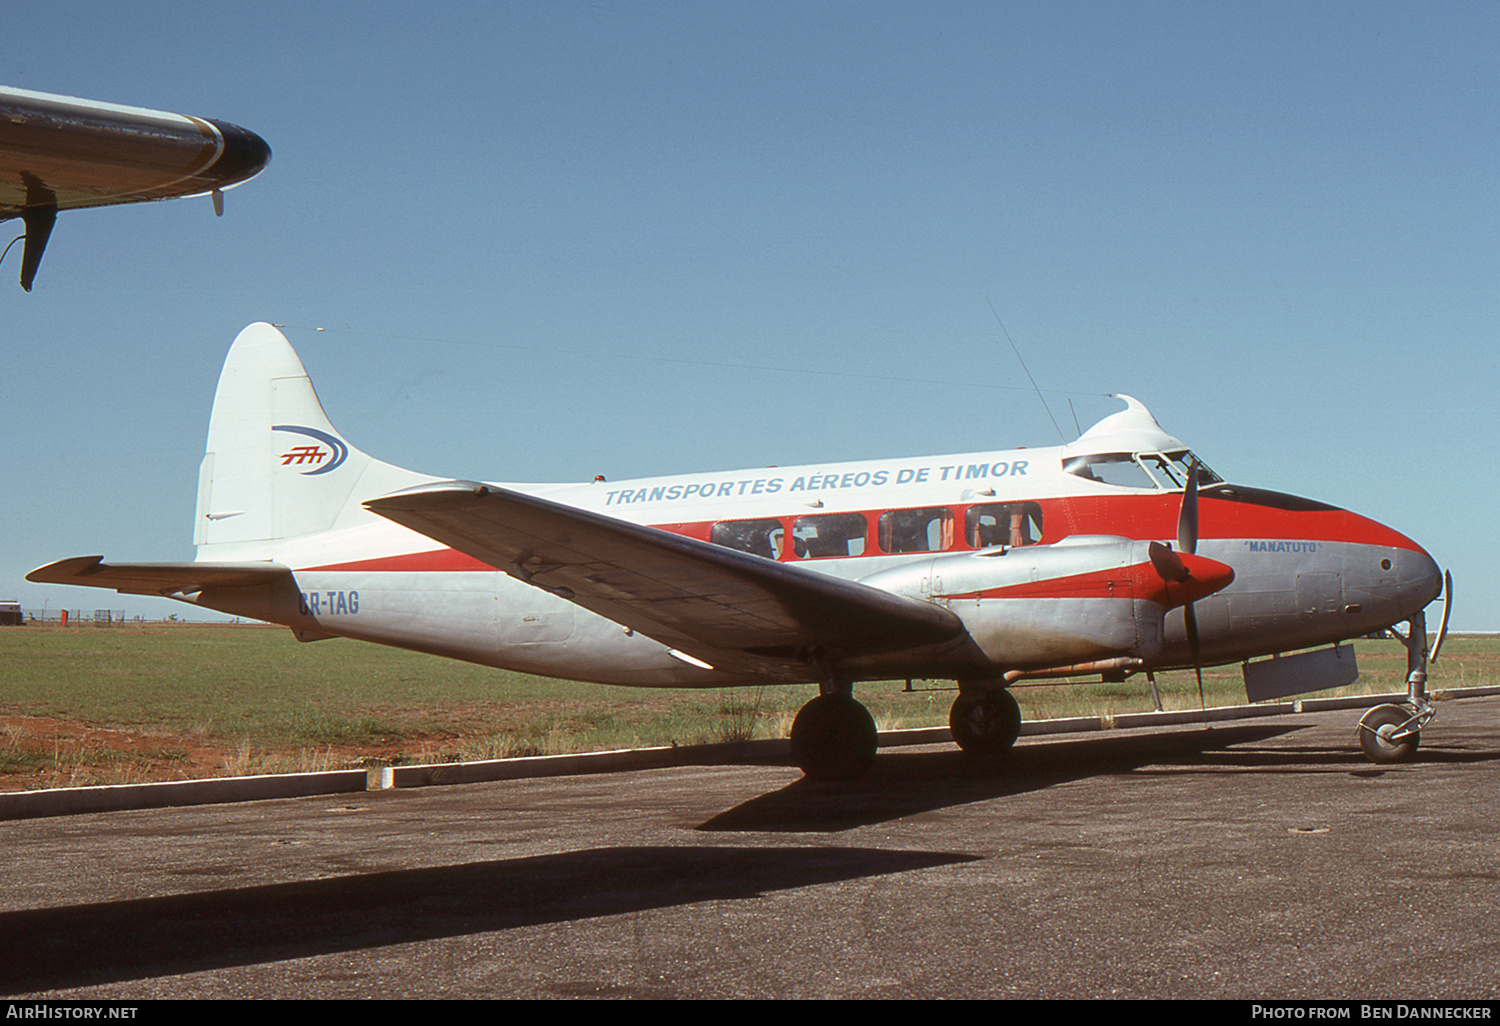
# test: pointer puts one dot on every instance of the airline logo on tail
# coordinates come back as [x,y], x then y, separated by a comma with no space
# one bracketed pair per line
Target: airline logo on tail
[313,456]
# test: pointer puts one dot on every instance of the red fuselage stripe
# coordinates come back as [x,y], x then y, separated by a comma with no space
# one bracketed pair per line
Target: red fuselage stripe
[1141,517]
[1138,581]
[1149,517]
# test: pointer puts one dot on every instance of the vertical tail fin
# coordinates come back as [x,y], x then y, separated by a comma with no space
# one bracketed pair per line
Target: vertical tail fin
[275,468]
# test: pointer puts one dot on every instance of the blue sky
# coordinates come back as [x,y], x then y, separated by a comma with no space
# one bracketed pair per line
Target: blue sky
[549,240]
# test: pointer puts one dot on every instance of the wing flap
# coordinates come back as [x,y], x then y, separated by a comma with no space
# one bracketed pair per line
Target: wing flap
[686,593]
[156,578]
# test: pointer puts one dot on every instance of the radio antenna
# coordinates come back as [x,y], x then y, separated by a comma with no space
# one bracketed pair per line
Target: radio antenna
[1027,370]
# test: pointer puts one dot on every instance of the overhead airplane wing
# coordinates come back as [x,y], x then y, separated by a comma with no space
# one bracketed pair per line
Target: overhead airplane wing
[156,578]
[62,153]
[707,600]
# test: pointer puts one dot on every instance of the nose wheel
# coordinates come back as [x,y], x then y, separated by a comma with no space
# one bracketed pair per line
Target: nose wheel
[1391,733]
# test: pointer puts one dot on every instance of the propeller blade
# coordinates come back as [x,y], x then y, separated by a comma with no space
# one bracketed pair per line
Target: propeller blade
[1187,517]
[1190,622]
[1442,631]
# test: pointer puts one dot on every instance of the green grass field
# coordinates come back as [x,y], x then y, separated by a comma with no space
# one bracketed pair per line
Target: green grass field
[93,704]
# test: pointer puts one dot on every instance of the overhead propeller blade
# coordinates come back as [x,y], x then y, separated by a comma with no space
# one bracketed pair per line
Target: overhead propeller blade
[1187,516]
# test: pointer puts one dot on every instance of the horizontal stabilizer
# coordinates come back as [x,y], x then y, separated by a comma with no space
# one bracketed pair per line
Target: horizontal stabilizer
[686,593]
[157,578]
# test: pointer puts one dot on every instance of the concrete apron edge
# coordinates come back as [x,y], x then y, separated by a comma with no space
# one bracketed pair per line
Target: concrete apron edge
[65,801]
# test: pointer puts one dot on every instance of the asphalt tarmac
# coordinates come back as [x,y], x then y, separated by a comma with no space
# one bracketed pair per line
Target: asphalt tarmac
[1264,861]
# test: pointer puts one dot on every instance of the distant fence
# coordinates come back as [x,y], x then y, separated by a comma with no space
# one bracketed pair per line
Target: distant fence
[82,617]
[14,616]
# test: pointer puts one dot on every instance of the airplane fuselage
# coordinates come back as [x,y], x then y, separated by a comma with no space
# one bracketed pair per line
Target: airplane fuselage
[938,529]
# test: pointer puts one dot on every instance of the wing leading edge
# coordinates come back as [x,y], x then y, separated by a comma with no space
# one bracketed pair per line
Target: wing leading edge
[725,606]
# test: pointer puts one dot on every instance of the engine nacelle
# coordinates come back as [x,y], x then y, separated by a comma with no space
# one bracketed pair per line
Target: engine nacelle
[1080,600]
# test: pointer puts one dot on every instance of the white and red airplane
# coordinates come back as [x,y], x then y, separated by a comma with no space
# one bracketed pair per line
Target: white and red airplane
[64,153]
[982,567]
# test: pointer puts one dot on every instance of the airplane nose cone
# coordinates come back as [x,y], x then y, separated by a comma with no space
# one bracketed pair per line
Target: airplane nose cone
[1418,581]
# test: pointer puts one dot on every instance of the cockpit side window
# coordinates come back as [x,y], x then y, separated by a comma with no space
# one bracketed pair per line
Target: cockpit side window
[1112,468]
[1166,471]
[1173,466]
[1163,472]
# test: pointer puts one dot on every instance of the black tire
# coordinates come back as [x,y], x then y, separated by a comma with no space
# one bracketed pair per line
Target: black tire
[833,738]
[1376,728]
[985,722]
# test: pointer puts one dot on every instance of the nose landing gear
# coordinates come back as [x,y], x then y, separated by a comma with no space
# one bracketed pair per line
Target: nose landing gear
[1391,733]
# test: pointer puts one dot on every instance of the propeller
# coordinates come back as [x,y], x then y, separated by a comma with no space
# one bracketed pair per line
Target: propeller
[1187,541]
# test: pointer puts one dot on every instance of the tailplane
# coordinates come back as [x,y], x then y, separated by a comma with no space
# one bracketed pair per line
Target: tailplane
[274,467]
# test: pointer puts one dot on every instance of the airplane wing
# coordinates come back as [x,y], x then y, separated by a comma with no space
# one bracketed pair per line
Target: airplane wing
[62,153]
[156,578]
[716,603]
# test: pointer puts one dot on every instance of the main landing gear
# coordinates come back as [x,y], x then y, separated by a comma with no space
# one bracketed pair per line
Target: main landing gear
[985,720]
[833,736]
[1391,733]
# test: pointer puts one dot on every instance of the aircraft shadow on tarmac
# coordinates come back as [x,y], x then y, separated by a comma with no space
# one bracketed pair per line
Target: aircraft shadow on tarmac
[905,783]
[59,948]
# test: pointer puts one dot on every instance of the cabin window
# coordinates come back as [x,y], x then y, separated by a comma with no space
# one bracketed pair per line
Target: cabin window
[829,534]
[757,537]
[1009,523]
[916,530]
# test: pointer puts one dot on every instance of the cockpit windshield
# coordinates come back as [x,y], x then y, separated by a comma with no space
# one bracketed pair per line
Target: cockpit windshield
[1167,471]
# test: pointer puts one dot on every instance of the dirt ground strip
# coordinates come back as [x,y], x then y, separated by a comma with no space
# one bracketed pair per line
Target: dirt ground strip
[41,752]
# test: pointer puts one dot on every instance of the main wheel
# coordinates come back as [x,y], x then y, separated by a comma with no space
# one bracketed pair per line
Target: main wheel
[834,738]
[1385,736]
[985,722]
